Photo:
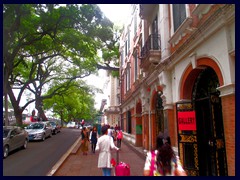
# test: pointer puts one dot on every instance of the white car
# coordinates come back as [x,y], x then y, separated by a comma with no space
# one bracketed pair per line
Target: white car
[39,131]
[71,125]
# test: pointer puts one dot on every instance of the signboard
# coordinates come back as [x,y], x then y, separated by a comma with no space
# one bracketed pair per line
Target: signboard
[187,121]
[138,129]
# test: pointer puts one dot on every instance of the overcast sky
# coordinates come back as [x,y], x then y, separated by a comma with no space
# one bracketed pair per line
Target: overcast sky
[115,12]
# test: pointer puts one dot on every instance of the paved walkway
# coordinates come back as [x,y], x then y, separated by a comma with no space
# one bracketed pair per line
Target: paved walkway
[77,164]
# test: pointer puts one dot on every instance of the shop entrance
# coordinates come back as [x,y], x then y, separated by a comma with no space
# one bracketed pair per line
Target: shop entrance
[201,144]
[210,132]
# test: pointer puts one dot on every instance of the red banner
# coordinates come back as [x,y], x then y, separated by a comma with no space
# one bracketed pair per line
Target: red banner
[187,121]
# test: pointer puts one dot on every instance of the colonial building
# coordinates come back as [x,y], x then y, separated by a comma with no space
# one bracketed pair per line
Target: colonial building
[112,111]
[177,77]
[110,105]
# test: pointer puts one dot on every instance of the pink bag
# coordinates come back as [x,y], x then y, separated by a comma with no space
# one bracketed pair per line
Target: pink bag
[122,169]
[152,163]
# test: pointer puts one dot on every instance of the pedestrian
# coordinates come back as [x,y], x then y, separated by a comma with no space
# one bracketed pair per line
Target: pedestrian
[93,138]
[85,141]
[104,145]
[119,138]
[117,127]
[82,123]
[32,117]
[162,161]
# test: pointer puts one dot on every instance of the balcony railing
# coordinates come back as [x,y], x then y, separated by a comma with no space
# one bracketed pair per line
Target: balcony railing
[151,51]
[146,10]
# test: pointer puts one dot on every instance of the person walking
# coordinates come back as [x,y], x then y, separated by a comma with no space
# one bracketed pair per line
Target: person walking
[119,138]
[104,145]
[85,141]
[163,161]
[93,138]
[32,117]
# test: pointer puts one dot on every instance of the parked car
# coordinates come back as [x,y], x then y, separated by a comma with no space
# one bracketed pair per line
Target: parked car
[56,128]
[71,124]
[39,131]
[13,138]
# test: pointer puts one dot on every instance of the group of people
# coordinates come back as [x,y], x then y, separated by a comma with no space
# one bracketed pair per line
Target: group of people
[92,137]
[159,162]
[104,144]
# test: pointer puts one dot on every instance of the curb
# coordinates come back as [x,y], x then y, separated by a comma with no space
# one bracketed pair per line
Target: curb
[72,150]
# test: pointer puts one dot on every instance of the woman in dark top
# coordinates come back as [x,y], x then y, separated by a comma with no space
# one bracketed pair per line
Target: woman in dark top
[93,138]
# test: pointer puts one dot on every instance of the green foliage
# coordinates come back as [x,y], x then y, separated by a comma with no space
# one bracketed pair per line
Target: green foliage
[77,102]
[47,45]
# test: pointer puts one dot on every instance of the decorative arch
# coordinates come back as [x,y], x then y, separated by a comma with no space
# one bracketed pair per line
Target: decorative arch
[191,74]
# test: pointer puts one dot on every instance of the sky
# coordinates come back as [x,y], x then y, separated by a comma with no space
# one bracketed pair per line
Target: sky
[116,13]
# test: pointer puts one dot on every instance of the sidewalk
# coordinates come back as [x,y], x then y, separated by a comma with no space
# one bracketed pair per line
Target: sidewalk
[75,164]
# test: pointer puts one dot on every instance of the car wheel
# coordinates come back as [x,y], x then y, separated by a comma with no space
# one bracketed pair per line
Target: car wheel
[5,151]
[43,138]
[25,144]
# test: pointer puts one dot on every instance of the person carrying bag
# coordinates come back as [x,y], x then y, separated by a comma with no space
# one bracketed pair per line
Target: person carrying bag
[163,161]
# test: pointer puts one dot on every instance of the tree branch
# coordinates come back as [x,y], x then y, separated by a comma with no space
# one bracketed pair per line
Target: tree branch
[107,67]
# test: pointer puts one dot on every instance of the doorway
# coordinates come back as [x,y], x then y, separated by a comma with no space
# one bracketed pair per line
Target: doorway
[209,121]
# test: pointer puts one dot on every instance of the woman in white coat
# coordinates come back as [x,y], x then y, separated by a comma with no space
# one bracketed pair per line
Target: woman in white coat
[104,145]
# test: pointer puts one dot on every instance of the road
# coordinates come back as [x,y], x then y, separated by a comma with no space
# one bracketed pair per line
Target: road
[40,156]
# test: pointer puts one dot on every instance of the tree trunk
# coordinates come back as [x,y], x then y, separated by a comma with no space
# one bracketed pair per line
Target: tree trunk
[38,106]
[17,110]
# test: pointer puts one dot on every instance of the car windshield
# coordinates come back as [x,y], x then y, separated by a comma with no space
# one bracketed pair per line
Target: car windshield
[35,126]
[5,132]
[53,123]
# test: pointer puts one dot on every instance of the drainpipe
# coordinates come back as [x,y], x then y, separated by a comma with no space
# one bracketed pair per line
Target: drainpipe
[150,127]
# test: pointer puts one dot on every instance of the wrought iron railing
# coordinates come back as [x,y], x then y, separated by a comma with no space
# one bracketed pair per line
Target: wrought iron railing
[153,43]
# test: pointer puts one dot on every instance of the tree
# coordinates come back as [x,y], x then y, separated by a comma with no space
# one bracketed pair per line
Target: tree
[76,103]
[35,36]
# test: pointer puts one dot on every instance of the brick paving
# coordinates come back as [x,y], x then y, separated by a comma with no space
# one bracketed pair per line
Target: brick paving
[77,164]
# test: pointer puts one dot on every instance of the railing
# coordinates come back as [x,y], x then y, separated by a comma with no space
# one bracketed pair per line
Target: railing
[153,43]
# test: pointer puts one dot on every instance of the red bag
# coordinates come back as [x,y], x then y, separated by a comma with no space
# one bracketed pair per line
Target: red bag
[113,162]
[122,169]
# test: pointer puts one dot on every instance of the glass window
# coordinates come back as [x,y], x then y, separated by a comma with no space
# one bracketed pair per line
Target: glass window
[135,66]
[179,15]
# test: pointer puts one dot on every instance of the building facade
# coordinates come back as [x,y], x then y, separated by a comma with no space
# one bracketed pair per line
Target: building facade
[110,112]
[177,75]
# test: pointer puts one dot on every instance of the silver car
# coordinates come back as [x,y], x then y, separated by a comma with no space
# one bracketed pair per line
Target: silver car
[13,138]
[39,131]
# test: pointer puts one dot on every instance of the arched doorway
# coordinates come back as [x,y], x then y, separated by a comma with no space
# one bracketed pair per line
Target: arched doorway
[209,122]
[157,123]
[139,130]
[200,124]
[159,115]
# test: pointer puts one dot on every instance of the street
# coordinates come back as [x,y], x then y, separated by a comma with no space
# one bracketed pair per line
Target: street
[40,156]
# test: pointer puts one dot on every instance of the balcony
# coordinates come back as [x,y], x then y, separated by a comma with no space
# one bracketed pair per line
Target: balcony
[151,51]
[146,10]
[112,110]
